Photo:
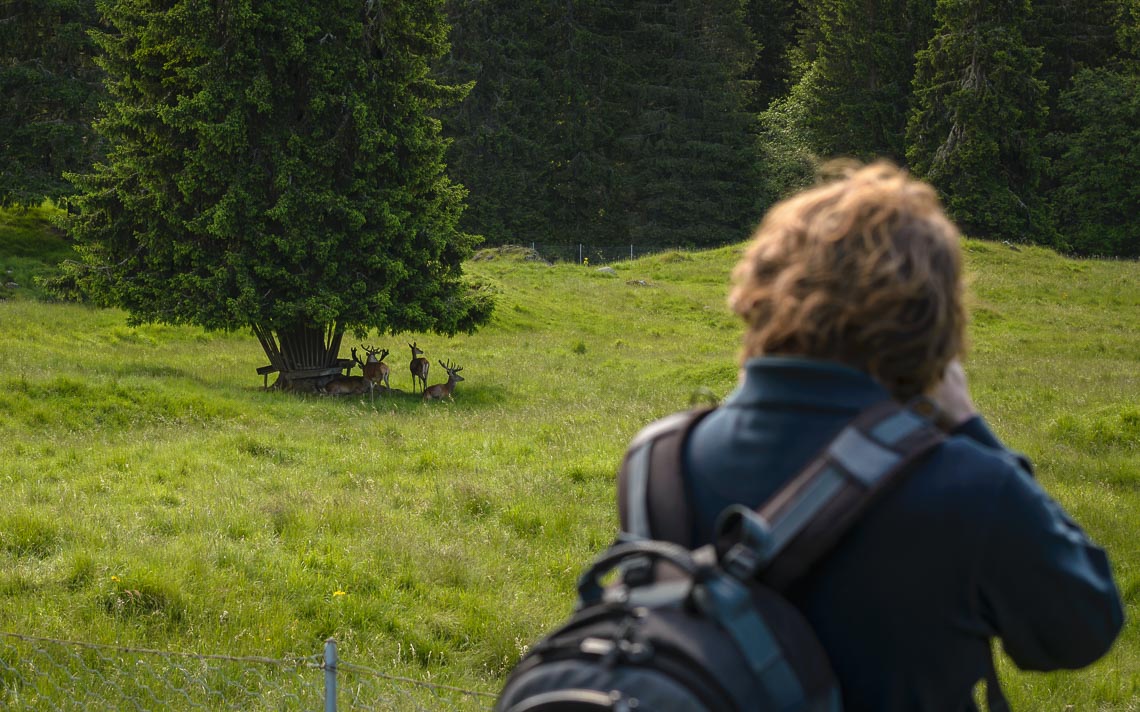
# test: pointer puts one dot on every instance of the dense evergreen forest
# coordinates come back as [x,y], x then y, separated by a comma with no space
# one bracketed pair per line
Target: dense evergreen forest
[677,122]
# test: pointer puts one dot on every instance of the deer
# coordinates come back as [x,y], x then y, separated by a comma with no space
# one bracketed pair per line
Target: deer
[345,386]
[444,390]
[375,370]
[418,367]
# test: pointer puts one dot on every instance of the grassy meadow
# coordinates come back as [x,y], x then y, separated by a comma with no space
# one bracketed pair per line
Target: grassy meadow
[155,495]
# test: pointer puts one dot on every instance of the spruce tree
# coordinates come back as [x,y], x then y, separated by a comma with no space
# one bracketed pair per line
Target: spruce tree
[498,132]
[1096,170]
[1128,32]
[276,165]
[975,129]
[51,89]
[1073,36]
[687,156]
[854,95]
[591,106]
[605,121]
[773,24]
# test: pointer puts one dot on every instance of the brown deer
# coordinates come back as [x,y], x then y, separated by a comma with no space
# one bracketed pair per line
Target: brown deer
[375,370]
[444,390]
[418,366]
[345,386]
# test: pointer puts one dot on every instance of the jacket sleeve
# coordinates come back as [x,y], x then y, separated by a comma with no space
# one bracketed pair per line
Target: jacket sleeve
[1045,589]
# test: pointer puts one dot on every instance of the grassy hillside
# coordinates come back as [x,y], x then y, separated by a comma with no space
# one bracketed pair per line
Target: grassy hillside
[29,248]
[156,495]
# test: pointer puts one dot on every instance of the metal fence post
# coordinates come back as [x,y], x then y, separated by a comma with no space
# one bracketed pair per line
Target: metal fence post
[330,675]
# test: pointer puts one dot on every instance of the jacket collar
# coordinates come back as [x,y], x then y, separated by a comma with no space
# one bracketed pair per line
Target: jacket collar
[805,382]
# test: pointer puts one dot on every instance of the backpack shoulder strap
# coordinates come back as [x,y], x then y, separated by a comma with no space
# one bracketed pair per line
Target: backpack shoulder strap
[800,523]
[652,502]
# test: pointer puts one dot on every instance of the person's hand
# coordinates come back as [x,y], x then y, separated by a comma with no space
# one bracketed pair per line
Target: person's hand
[952,395]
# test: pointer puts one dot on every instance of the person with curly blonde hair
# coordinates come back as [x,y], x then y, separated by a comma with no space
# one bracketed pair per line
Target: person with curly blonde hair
[865,271]
[851,293]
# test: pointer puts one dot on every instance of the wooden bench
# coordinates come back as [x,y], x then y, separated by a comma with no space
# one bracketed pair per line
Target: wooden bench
[264,372]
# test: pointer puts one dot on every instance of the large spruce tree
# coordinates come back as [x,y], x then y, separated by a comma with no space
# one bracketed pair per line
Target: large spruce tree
[50,89]
[975,129]
[274,164]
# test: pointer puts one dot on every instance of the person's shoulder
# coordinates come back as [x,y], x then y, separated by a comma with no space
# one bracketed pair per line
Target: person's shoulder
[965,471]
[986,460]
[960,476]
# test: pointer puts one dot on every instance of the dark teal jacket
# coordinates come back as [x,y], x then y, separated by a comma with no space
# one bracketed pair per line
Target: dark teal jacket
[968,548]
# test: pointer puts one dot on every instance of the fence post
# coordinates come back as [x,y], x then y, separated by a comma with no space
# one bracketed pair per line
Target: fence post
[330,675]
[631,252]
[579,253]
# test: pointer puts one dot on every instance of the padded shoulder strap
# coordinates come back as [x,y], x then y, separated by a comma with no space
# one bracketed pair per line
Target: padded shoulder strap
[652,501]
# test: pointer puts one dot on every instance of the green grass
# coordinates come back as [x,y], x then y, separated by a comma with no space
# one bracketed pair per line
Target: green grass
[155,495]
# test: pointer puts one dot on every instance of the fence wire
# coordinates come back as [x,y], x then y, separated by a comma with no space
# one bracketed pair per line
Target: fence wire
[60,675]
[597,254]
[364,689]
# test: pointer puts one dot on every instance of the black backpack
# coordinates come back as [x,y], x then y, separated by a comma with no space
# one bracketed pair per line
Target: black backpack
[708,629]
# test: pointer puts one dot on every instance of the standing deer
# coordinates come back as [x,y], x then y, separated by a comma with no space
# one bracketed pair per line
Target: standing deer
[418,366]
[444,390]
[375,370]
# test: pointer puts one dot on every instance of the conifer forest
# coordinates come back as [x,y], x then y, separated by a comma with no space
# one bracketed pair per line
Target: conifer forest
[679,121]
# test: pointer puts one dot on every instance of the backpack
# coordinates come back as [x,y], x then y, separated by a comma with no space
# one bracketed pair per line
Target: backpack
[709,629]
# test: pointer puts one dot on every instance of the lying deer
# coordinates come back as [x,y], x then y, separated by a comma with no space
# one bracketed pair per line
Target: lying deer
[345,386]
[418,366]
[375,370]
[444,390]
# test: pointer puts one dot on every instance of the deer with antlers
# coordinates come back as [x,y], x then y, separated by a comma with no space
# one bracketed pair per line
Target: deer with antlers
[418,366]
[375,370]
[444,390]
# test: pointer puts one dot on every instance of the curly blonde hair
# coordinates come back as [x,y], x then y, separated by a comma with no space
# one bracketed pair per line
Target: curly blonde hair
[864,270]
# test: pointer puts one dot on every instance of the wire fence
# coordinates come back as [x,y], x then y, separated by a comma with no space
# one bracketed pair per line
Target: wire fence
[602,254]
[47,674]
